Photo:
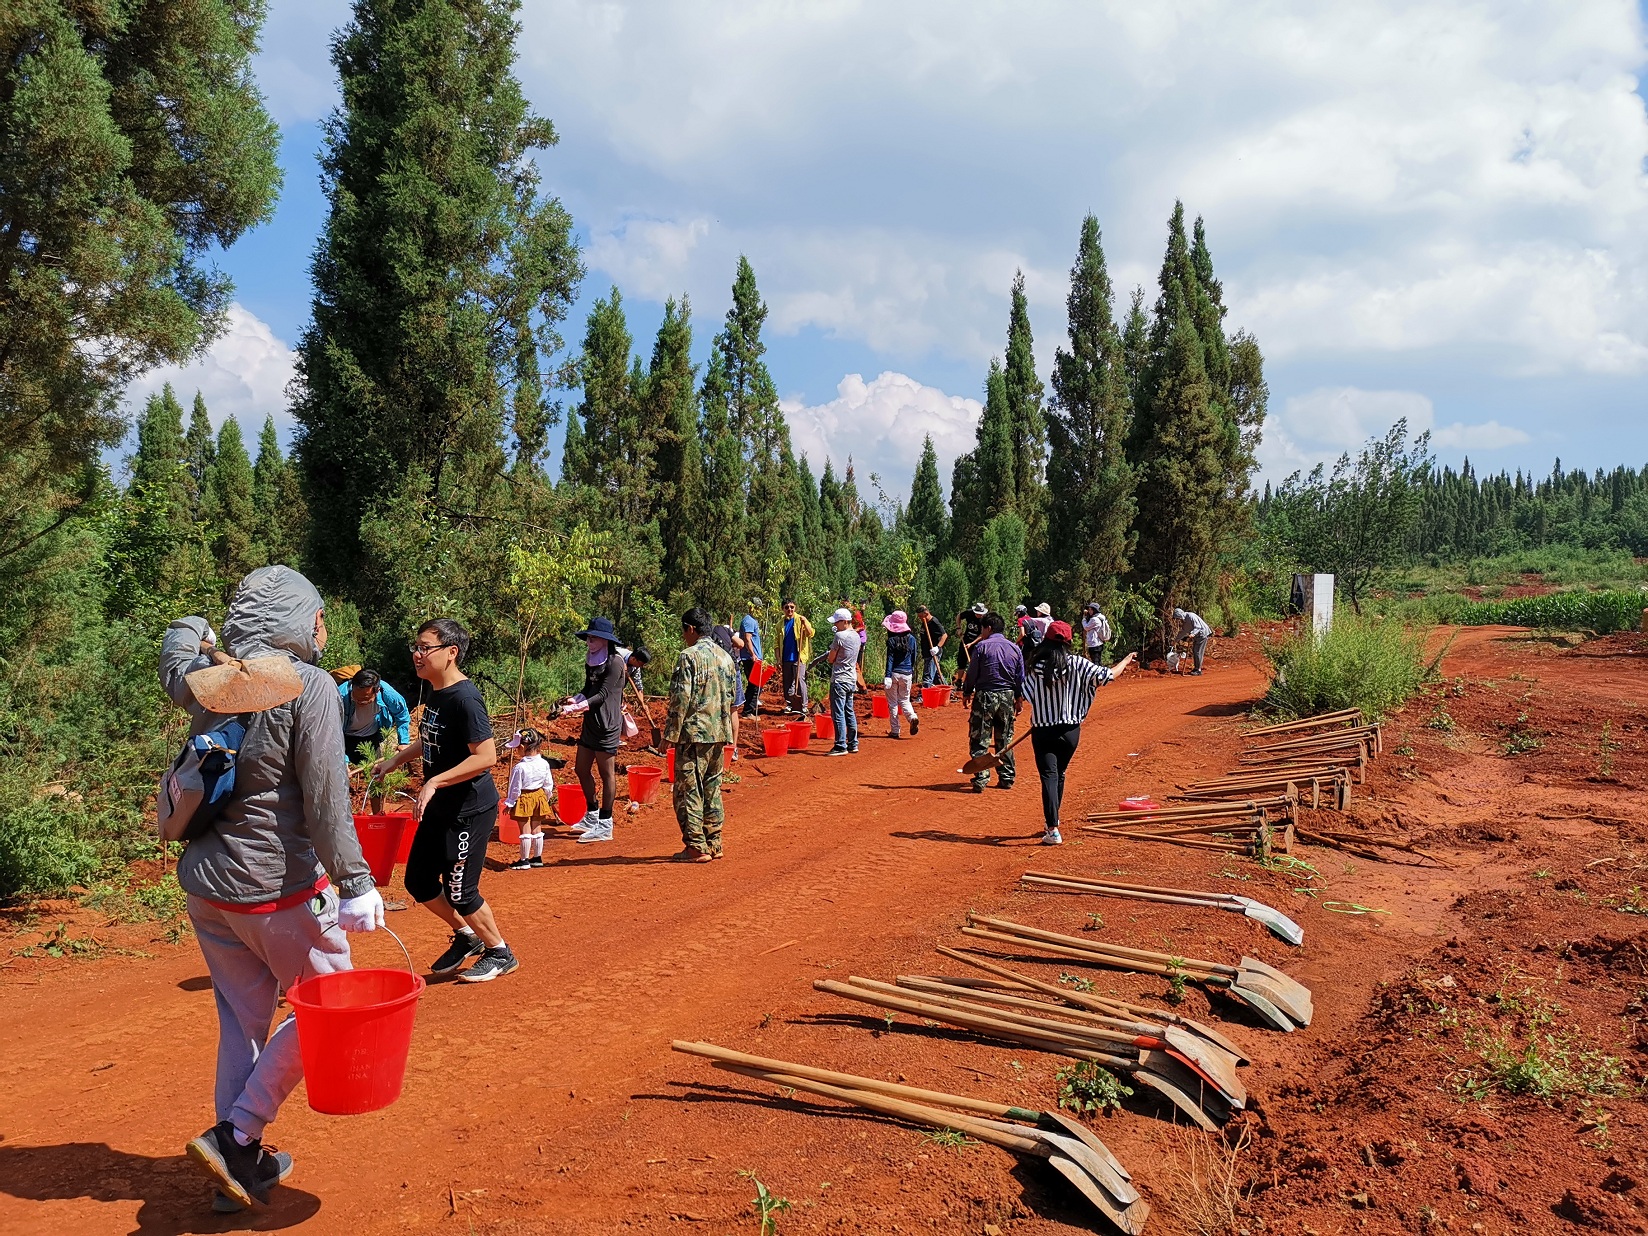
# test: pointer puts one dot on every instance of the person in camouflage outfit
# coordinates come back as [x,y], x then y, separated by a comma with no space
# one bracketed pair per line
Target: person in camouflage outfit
[994,687]
[700,727]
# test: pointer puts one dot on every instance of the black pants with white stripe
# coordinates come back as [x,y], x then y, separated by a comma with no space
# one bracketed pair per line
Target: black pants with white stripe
[1054,746]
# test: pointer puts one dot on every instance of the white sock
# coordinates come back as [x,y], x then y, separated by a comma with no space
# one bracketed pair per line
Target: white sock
[526,846]
[468,931]
[537,845]
[499,944]
[243,1139]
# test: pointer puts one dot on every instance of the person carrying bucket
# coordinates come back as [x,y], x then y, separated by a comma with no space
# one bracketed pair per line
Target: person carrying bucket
[277,877]
[901,668]
[700,724]
[457,807]
[602,704]
[528,797]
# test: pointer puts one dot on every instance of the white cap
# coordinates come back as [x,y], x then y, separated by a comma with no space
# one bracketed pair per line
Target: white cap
[842,615]
[1044,610]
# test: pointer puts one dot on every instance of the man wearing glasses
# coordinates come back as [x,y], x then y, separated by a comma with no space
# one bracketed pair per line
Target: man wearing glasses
[456,807]
[797,651]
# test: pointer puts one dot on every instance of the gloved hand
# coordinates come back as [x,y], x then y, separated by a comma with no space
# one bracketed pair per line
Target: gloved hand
[886,684]
[575,706]
[208,640]
[363,913]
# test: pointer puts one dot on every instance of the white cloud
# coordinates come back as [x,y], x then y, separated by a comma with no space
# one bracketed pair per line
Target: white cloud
[880,426]
[243,374]
[1320,425]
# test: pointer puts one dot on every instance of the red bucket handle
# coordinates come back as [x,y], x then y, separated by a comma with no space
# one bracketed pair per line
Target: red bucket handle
[410,968]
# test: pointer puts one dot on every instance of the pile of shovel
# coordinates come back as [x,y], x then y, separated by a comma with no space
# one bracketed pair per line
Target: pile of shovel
[1066,1145]
[1278,1000]
[1279,924]
[1257,826]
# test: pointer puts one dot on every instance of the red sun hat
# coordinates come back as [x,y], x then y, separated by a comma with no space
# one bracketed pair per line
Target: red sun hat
[1059,631]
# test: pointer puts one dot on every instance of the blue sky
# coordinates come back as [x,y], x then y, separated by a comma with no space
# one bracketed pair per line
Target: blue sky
[1433,210]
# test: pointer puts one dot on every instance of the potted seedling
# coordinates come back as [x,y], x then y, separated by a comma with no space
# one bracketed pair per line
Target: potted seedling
[382,788]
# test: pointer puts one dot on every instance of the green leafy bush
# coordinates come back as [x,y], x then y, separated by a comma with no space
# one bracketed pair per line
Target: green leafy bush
[1603,612]
[1370,664]
[41,852]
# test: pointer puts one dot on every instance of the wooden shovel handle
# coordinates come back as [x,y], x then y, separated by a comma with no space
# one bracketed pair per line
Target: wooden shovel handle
[1209,902]
[1117,959]
[1076,998]
[1132,888]
[1182,963]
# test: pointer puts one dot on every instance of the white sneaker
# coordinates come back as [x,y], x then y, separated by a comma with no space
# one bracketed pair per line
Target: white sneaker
[601,832]
[1052,837]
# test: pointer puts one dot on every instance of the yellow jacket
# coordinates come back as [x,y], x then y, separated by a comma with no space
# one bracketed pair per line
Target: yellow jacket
[803,638]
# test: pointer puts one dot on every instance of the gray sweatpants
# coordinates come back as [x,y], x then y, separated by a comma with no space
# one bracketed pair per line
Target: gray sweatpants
[252,959]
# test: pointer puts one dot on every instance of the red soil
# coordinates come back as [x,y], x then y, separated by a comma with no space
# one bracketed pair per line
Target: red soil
[549,1101]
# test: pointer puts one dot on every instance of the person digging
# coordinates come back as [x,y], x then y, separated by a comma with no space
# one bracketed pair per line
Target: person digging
[699,726]
[276,877]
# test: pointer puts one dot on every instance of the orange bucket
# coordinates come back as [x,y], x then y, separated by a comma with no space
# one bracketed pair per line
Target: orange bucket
[643,782]
[509,828]
[824,726]
[776,742]
[355,1033]
[933,697]
[380,843]
[800,734]
[878,706]
[569,803]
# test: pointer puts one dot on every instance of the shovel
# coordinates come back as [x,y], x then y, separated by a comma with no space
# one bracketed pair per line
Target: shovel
[1279,924]
[1069,1146]
[983,763]
[657,747]
[229,687]
[1247,975]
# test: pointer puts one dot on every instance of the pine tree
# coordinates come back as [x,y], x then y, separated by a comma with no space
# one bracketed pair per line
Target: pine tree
[440,279]
[722,553]
[160,465]
[1090,482]
[983,482]
[613,454]
[198,450]
[671,416]
[926,515]
[1023,391]
[230,514]
[280,518]
[764,435]
[1136,349]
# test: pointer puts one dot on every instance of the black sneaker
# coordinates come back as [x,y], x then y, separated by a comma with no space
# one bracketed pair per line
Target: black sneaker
[520,864]
[494,963]
[537,860]
[915,726]
[465,944]
[275,1166]
[236,1168]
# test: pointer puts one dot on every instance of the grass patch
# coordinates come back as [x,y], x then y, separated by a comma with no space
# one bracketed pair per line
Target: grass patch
[162,901]
[1367,663]
[1602,612]
[948,1139]
[1087,1089]
[1203,1176]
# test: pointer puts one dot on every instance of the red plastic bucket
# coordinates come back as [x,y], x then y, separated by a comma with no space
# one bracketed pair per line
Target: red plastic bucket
[643,782]
[800,734]
[944,702]
[761,673]
[569,803]
[669,766]
[407,834]
[509,828]
[1139,802]
[380,843]
[354,1032]
[878,706]
[824,726]
[933,697]
[776,742]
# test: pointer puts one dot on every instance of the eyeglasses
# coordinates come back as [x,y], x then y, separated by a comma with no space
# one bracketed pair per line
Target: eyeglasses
[423,650]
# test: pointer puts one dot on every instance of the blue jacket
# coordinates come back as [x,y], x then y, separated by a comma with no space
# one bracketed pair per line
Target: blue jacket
[392,711]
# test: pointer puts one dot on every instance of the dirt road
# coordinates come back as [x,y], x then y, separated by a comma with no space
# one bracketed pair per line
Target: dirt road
[549,1102]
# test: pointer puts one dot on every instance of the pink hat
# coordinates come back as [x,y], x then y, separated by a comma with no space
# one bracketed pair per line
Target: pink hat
[896,622]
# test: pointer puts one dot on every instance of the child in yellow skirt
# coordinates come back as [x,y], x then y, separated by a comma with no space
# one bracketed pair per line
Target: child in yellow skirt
[528,797]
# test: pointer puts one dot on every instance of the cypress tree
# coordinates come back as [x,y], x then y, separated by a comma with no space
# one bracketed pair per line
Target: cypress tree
[1023,392]
[160,465]
[198,450]
[230,514]
[1136,350]
[722,552]
[280,516]
[926,516]
[1089,480]
[439,279]
[611,455]
[671,416]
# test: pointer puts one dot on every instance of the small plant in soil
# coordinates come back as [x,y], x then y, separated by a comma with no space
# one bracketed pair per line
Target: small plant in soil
[1439,719]
[377,791]
[1606,747]
[1519,739]
[1087,1089]
[1176,978]
[765,1204]
[1204,1178]
[1095,922]
[1077,981]
[948,1139]
[1634,902]
[61,944]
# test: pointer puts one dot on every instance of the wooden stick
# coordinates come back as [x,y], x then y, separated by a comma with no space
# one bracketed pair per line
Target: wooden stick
[1231,848]
[1183,963]
[1338,717]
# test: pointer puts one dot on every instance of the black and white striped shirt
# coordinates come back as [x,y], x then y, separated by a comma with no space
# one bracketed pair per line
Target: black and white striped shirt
[1066,699]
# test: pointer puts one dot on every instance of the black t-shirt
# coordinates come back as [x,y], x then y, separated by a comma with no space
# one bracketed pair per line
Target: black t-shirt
[929,633]
[722,636]
[454,718]
[972,626]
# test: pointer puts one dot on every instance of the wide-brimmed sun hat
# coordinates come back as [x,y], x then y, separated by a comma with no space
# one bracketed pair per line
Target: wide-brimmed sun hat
[600,628]
[896,622]
[1044,610]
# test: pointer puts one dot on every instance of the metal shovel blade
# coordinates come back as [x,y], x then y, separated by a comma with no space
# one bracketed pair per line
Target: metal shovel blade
[1058,1122]
[1287,994]
[1177,1097]
[979,763]
[231,687]
[1280,925]
[1211,1062]
[1261,1005]
[1083,1155]
[1130,1218]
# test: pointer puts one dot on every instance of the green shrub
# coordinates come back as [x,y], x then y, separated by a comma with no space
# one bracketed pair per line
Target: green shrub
[1603,612]
[1371,664]
[41,852]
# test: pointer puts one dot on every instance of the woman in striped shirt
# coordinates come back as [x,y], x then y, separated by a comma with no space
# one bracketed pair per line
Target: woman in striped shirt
[1060,689]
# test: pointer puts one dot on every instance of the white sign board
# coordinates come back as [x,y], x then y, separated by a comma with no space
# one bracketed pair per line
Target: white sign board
[1319,603]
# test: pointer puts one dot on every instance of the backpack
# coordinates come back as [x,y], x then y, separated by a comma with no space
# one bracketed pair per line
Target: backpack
[199,783]
[1102,627]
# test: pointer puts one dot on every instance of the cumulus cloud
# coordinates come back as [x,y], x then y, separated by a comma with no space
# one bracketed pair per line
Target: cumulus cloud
[244,375]
[880,426]
[1320,425]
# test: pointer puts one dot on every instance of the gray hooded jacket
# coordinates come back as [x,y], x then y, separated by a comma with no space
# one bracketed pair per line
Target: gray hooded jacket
[289,820]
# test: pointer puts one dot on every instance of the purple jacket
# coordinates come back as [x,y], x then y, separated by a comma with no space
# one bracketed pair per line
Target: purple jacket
[996,665]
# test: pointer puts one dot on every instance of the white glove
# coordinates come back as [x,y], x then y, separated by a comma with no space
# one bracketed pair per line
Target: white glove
[209,640]
[363,913]
[934,653]
[568,709]
[886,684]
